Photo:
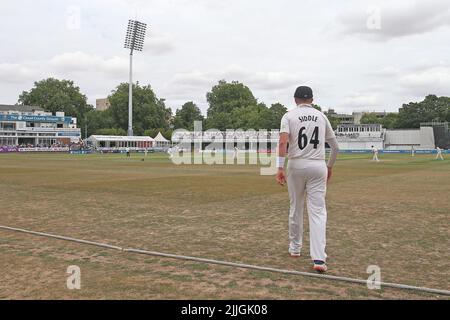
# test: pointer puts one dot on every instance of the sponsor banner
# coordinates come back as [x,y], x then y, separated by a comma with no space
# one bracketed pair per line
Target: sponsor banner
[25,118]
[8,149]
[431,151]
[396,151]
[69,134]
[44,149]
[82,152]
[415,151]
[355,151]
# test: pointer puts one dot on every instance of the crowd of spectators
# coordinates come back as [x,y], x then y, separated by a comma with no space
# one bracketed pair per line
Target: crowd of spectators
[348,135]
[71,146]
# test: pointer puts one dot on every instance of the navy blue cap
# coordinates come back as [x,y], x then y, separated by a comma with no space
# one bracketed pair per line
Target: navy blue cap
[303,93]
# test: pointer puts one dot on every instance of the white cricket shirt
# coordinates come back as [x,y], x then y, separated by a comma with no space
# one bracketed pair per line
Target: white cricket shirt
[308,130]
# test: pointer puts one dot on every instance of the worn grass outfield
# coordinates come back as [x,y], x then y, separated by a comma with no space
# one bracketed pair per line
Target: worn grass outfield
[394,214]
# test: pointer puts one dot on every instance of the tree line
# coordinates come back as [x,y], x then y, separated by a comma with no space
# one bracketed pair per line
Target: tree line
[232,105]
[411,115]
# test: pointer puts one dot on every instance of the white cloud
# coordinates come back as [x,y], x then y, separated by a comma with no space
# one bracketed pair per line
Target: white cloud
[192,79]
[258,80]
[192,44]
[268,87]
[160,45]
[79,62]
[398,19]
[360,100]
[273,80]
[16,73]
[435,80]
[389,71]
[157,42]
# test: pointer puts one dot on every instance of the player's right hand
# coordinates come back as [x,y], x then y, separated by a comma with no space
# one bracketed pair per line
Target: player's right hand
[281,177]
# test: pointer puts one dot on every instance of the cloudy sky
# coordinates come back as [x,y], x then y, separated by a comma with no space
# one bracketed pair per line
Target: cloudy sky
[356,54]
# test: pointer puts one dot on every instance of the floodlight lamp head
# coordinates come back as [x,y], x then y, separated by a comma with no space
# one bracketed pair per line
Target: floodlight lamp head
[135,37]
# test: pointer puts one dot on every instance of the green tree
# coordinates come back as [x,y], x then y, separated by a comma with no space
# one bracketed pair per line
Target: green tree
[225,97]
[370,118]
[251,117]
[220,121]
[316,106]
[225,100]
[111,132]
[433,108]
[390,121]
[55,95]
[148,111]
[185,117]
[335,122]
[277,111]
[97,120]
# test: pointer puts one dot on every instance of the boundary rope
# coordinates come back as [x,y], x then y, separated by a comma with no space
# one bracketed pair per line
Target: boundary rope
[229,264]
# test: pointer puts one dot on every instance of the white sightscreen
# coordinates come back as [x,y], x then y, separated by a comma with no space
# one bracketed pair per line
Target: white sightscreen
[423,138]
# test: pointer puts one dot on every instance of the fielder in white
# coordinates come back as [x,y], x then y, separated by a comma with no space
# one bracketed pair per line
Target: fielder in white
[439,154]
[306,130]
[375,154]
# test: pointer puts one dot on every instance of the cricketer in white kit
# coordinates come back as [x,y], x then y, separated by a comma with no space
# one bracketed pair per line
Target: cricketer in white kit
[306,130]
[375,154]
[439,154]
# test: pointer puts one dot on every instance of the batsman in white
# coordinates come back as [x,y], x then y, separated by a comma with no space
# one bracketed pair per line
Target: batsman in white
[306,129]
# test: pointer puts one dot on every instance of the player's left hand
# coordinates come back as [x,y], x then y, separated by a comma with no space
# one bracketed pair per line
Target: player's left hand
[330,174]
[281,177]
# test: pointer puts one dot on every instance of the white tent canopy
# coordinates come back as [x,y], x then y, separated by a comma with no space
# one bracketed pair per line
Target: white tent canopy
[120,142]
[161,141]
[121,138]
[160,138]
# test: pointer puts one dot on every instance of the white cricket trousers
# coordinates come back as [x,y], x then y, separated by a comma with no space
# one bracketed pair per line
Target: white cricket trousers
[308,177]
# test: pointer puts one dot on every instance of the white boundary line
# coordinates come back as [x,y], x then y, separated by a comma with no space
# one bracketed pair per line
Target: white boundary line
[229,264]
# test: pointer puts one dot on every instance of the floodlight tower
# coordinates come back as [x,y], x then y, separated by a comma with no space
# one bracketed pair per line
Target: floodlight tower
[134,41]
